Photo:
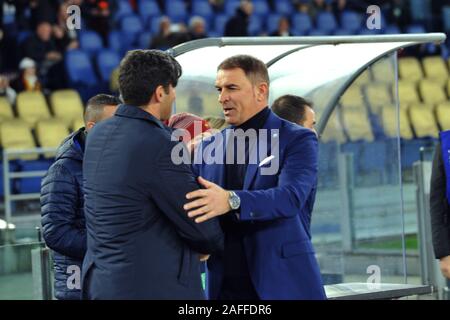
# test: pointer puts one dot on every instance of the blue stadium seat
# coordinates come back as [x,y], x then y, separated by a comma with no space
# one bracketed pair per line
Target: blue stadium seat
[260,8]
[365,31]
[107,61]
[123,9]
[153,25]
[317,33]
[255,26]
[342,32]
[230,7]
[79,68]
[203,9]
[90,42]
[301,23]
[131,25]
[351,20]
[144,40]
[326,22]
[446,18]
[31,185]
[392,29]
[272,22]
[415,28]
[148,9]
[176,11]
[373,161]
[219,24]
[410,151]
[283,7]
[119,42]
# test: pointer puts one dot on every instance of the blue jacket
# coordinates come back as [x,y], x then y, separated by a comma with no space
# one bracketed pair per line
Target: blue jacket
[278,246]
[445,145]
[63,216]
[141,243]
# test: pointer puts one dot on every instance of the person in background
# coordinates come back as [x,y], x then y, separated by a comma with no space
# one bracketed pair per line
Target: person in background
[28,78]
[6,91]
[440,203]
[62,202]
[295,109]
[237,25]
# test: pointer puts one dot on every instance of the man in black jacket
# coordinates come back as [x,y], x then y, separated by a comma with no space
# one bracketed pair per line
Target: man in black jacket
[141,242]
[237,26]
[62,202]
[439,203]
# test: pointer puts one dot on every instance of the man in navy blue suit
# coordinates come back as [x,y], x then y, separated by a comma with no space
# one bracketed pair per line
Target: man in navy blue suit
[141,244]
[259,176]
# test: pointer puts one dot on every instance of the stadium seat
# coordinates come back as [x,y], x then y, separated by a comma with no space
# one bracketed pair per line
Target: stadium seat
[219,23]
[378,94]
[435,68]
[230,7]
[443,115]
[333,130]
[76,124]
[431,92]
[383,71]
[6,111]
[363,79]
[50,133]
[32,107]
[272,22]
[389,122]
[283,7]
[423,121]
[301,23]
[409,69]
[16,134]
[255,26]
[79,68]
[260,8]
[357,124]
[131,26]
[123,8]
[67,105]
[90,42]
[144,40]
[326,22]
[148,9]
[107,61]
[392,29]
[31,185]
[353,97]
[176,11]
[203,9]
[351,20]
[407,93]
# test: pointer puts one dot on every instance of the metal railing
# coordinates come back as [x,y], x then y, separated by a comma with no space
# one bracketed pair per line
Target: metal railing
[12,154]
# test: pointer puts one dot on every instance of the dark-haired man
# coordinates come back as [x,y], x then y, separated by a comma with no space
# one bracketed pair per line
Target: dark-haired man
[295,109]
[62,202]
[141,243]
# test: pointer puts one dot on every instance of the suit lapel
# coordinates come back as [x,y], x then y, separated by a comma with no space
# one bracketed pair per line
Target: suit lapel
[272,122]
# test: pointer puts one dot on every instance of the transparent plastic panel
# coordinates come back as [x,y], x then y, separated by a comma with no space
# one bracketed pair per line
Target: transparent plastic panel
[358,222]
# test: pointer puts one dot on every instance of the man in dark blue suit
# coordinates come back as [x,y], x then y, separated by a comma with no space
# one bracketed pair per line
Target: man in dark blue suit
[263,194]
[140,242]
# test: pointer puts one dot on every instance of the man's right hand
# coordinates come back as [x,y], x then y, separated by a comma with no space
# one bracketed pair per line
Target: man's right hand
[444,264]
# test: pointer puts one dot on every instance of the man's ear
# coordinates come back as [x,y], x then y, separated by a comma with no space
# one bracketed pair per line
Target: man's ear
[262,90]
[89,125]
[159,93]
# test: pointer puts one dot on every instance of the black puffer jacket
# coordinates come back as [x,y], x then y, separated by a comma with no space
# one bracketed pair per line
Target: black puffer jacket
[63,215]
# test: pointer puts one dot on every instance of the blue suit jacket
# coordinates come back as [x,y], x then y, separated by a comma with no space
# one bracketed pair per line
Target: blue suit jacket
[278,248]
[140,242]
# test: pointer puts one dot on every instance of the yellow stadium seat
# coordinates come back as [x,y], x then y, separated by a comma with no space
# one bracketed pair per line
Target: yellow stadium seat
[443,115]
[409,69]
[50,133]
[5,109]
[32,107]
[423,121]
[67,105]
[407,93]
[333,130]
[378,94]
[383,71]
[77,124]
[432,92]
[389,122]
[16,134]
[435,68]
[448,87]
[363,79]
[353,97]
[357,124]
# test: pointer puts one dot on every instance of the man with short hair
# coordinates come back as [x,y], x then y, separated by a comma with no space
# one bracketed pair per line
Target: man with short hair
[295,109]
[264,206]
[141,243]
[62,202]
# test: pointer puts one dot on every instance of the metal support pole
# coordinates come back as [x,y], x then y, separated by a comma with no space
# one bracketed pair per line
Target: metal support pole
[346,183]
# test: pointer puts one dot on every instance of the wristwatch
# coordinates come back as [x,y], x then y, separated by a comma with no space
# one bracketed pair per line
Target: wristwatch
[234,200]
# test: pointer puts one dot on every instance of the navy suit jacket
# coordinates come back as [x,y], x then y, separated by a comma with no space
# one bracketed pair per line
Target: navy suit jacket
[140,242]
[278,246]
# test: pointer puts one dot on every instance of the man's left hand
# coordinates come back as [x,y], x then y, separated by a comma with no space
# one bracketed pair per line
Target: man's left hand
[207,203]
